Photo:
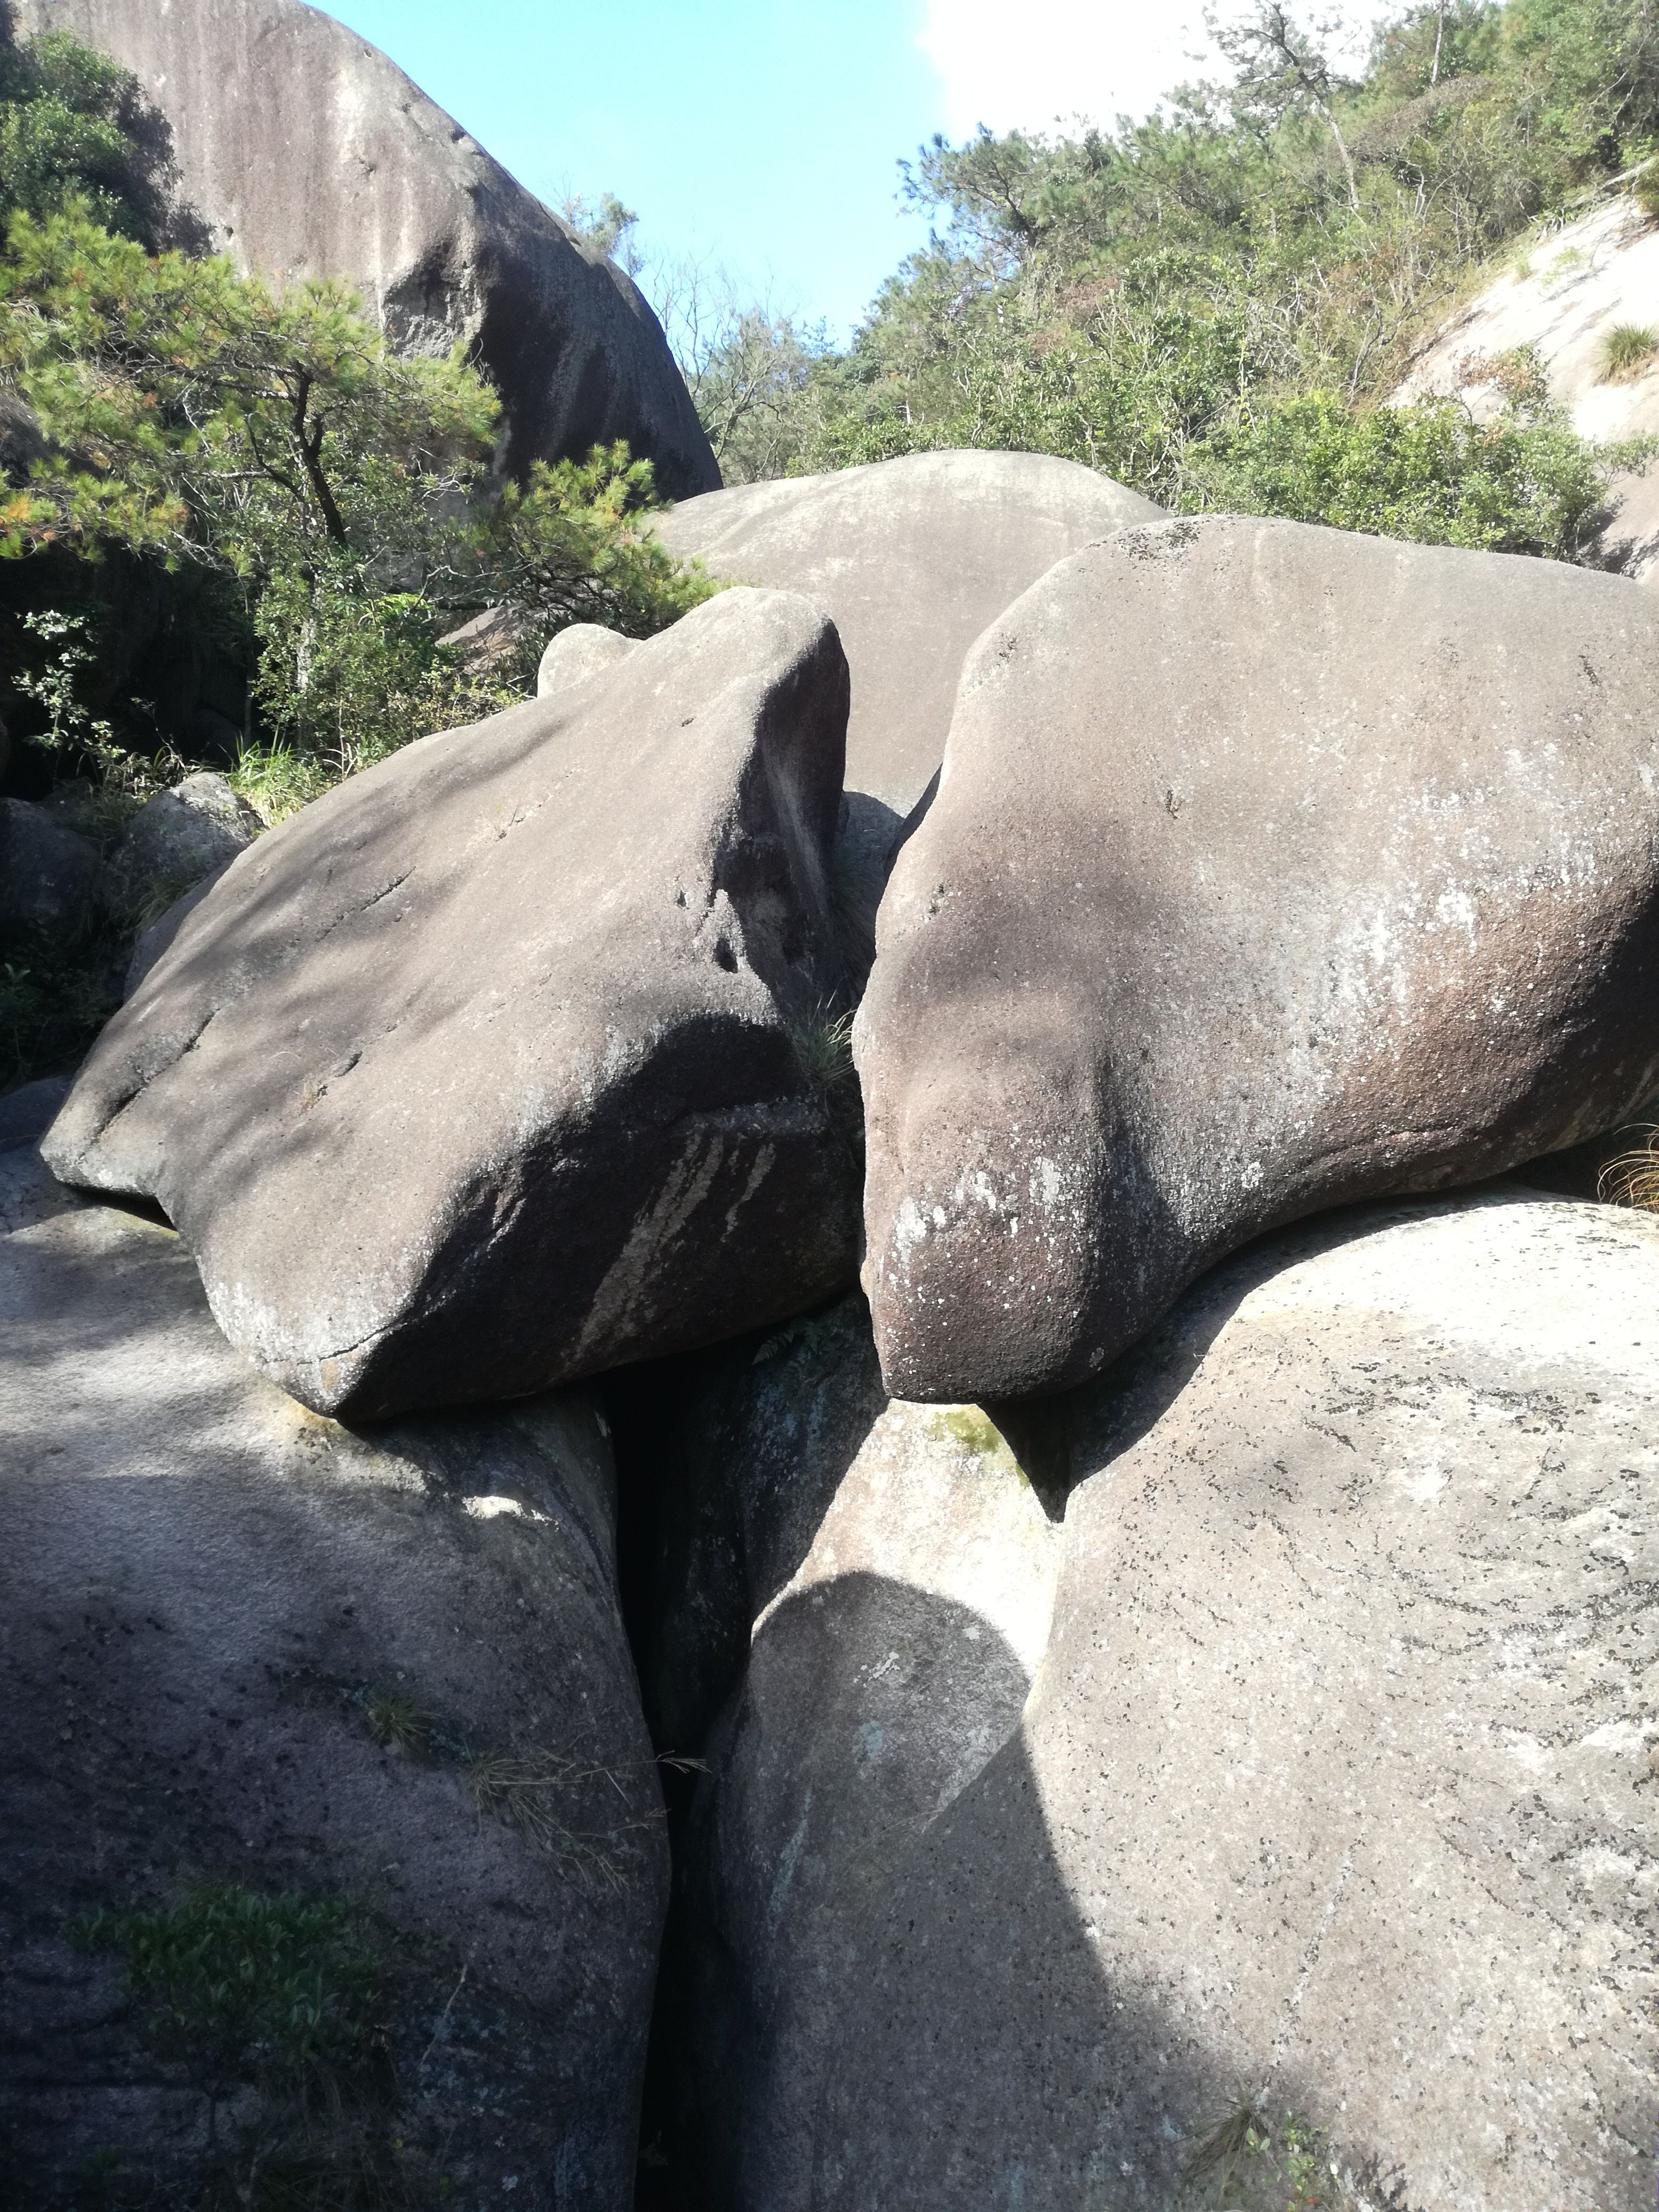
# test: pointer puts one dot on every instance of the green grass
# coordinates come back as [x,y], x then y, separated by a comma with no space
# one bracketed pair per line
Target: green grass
[823,1047]
[242,1985]
[1626,351]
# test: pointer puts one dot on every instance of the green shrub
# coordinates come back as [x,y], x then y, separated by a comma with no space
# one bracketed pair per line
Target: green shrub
[1523,482]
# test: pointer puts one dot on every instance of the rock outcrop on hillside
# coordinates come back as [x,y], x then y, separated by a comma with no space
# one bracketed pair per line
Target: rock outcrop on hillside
[1335,1791]
[912,558]
[307,152]
[1271,868]
[509,1061]
[357,1716]
[1563,297]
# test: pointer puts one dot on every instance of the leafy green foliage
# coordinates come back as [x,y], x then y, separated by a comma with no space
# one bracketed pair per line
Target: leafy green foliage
[247,1985]
[1258,2158]
[1521,482]
[54,999]
[185,409]
[567,547]
[1212,305]
[335,497]
[72,124]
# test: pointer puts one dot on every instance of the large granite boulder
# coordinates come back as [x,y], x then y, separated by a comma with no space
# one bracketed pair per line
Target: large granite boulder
[847,1605]
[51,879]
[306,153]
[1333,1801]
[502,1064]
[913,558]
[1271,868]
[331,1857]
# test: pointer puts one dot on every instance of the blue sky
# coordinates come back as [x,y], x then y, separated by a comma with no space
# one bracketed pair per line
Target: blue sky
[762,135]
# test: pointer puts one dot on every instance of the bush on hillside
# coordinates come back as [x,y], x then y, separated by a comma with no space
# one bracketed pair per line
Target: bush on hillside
[1523,482]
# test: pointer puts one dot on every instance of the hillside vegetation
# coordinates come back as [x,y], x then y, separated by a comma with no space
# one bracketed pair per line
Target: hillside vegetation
[1211,306]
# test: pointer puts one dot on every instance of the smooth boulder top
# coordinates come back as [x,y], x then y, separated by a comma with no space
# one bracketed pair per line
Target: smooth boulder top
[244,1645]
[309,154]
[913,558]
[1271,868]
[485,1071]
[578,652]
[1335,1787]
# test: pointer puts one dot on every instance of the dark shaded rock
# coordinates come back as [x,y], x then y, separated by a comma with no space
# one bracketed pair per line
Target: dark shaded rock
[194,830]
[26,1113]
[865,1589]
[1335,1790]
[1271,868]
[245,1647]
[52,879]
[912,558]
[492,1069]
[309,154]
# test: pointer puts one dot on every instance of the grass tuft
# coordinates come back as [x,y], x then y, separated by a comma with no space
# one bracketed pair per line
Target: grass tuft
[536,1795]
[823,1047]
[1633,1178]
[1627,352]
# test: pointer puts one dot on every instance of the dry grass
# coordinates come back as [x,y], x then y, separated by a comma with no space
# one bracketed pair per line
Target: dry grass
[1633,1178]
[543,1796]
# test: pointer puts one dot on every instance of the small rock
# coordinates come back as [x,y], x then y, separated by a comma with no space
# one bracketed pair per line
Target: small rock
[490,637]
[193,830]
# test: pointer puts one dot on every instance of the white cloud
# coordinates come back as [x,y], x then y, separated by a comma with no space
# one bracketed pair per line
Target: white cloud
[1023,66]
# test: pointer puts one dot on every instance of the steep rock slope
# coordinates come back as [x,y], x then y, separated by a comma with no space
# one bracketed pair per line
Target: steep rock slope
[1562,298]
[309,154]
[257,1667]
[1334,1790]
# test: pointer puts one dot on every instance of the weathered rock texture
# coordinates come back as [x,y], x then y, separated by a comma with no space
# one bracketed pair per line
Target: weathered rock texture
[245,1647]
[576,653]
[912,558]
[1271,868]
[309,154]
[1561,300]
[868,1585]
[180,836]
[485,1071]
[1336,1784]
